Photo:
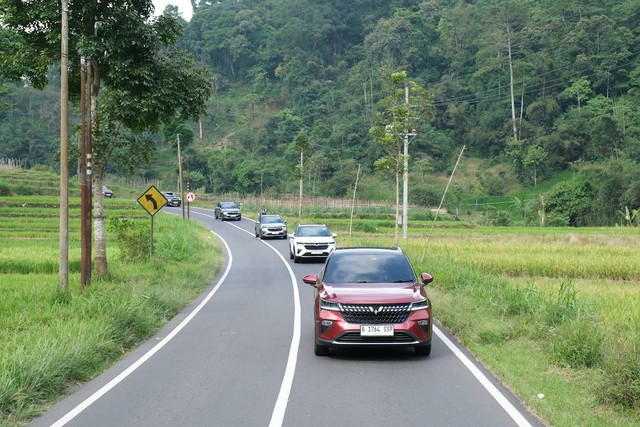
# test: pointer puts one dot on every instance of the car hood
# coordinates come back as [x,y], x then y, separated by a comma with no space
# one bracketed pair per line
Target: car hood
[314,239]
[373,293]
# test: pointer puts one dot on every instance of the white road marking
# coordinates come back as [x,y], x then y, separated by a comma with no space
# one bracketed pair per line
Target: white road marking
[277,417]
[520,420]
[111,384]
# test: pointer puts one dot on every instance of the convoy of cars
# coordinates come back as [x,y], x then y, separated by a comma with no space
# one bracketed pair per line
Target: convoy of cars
[371,297]
[364,296]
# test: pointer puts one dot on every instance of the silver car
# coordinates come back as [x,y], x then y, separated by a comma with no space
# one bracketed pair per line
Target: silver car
[271,226]
[227,210]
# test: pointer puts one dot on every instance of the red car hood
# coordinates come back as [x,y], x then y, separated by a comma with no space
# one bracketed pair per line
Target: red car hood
[373,293]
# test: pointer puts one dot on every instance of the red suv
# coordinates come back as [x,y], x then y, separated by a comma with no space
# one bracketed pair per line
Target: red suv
[371,297]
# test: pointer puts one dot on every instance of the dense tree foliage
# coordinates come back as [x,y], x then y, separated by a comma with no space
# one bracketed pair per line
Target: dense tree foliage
[544,86]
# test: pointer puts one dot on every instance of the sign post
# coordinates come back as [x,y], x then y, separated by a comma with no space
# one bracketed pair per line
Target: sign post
[190,198]
[152,201]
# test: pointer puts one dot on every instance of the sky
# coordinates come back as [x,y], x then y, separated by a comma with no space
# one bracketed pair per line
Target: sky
[184,6]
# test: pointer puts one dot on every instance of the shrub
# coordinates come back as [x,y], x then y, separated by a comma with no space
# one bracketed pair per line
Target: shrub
[5,190]
[498,218]
[133,238]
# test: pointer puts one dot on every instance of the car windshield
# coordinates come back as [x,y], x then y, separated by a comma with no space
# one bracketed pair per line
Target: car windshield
[313,231]
[368,268]
[270,219]
[228,205]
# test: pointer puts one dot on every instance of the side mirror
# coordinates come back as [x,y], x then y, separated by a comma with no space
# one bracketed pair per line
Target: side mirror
[334,235]
[426,278]
[310,279]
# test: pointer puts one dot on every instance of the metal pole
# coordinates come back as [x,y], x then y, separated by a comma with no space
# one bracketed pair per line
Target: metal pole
[64,149]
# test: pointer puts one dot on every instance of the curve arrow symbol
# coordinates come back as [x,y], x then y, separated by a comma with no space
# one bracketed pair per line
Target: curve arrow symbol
[150,198]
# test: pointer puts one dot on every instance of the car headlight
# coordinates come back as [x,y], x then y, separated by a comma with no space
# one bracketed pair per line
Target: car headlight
[419,305]
[329,305]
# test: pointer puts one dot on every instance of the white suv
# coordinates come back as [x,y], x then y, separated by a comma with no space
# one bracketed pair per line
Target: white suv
[311,241]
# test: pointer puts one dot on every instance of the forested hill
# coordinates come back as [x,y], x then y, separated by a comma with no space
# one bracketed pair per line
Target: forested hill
[540,85]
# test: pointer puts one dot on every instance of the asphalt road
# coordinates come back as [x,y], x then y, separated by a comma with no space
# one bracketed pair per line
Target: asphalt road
[242,355]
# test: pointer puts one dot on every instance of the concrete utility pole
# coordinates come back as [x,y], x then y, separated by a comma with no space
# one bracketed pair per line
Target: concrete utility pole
[64,149]
[405,175]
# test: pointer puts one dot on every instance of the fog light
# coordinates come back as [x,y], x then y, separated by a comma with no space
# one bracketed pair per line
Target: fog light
[424,324]
[325,324]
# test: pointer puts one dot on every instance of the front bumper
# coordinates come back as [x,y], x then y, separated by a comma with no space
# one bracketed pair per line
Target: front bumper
[314,251]
[230,215]
[417,330]
[273,232]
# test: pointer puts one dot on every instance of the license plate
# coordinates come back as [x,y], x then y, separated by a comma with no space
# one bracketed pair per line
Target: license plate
[376,330]
[316,252]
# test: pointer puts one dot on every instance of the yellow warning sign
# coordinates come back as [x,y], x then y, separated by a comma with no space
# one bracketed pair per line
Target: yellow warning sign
[152,200]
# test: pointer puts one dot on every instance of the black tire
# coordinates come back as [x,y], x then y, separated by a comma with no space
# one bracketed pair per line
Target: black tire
[321,350]
[291,256]
[423,350]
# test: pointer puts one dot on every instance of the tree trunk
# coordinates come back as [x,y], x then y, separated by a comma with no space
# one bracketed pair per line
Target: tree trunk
[99,228]
[99,232]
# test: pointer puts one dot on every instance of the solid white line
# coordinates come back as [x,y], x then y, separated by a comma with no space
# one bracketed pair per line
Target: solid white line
[111,384]
[520,420]
[277,416]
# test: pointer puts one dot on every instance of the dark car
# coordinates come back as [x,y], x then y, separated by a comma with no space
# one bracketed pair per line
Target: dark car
[106,192]
[270,225]
[371,297]
[172,198]
[228,210]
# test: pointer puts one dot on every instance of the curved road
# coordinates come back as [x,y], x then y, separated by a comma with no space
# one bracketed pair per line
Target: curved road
[242,355]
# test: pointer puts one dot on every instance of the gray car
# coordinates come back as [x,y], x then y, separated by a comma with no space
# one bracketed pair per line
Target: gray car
[228,210]
[271,226]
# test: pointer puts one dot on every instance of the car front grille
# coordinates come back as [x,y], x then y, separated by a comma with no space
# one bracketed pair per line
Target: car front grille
[354,337]
[316,246]
[275,229]
[372,314]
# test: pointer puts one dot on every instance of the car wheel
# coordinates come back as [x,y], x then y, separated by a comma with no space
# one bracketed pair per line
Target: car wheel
[423,350]
[239,218]
[290,254]
[321,350]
